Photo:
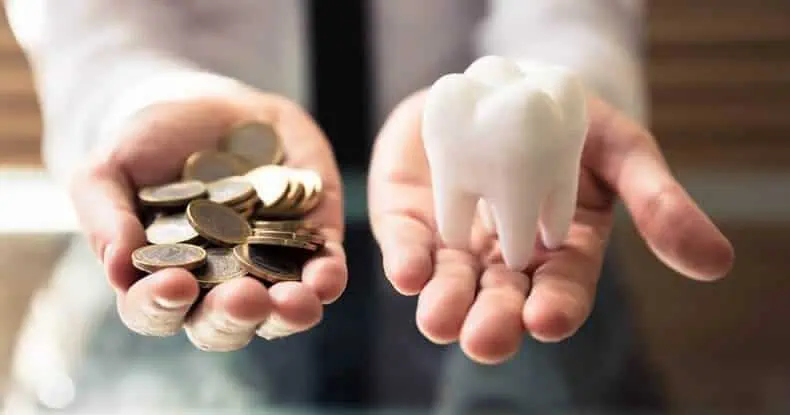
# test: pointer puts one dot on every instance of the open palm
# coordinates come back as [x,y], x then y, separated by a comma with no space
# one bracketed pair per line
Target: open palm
[152,150]
[471,297]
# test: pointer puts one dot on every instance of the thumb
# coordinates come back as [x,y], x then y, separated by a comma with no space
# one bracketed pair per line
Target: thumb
[103,199]
[627,158]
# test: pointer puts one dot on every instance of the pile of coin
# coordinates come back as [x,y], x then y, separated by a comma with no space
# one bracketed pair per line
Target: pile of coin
[235,211]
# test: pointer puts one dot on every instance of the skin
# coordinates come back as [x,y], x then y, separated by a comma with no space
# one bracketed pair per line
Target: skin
[470,297]
[465,296]
[152,150]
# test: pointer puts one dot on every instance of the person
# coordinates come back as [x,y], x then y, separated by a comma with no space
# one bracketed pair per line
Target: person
[130,88]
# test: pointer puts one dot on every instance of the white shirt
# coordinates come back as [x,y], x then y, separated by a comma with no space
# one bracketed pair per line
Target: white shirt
[97,61]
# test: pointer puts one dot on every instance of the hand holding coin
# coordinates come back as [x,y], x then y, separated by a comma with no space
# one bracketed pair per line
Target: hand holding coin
[166,209]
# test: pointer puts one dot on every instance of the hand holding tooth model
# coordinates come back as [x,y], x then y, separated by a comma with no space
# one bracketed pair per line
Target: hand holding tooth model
[503,142]
[510,137]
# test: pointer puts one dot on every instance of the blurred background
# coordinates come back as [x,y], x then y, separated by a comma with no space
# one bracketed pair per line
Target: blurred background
[719,73]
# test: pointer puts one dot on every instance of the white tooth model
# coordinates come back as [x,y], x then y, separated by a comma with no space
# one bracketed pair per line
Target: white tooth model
[508,135]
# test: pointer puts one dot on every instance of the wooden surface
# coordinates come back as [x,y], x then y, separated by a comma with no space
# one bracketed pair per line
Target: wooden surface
[719,73]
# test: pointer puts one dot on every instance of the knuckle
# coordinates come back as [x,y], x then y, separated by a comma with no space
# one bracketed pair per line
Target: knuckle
[457,261]
[660,208]
[507,281]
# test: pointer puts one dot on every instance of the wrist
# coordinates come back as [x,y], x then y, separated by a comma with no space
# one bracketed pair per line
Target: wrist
[165,84]
[100,95]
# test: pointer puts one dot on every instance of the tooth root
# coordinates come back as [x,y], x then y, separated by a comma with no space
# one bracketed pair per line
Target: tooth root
[447,123]
[455,212]
[516,215]
[486,216]
[557,211]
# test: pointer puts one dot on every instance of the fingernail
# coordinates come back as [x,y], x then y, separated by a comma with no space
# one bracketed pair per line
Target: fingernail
[395,261]
[406,260]
[224,323]
[171,304]
[215,331]
[275,327]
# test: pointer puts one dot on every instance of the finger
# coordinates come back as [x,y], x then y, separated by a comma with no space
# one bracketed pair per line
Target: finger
[563,287]
[400,201]
[157,304]
[177,128]
[102,197]
[296,308]
[327,274]
[627,158]
[406,245]
[445,300]
[294,125]
[228,315]
[493,330]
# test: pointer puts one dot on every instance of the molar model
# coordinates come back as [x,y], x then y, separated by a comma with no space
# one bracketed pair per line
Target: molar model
[508,137]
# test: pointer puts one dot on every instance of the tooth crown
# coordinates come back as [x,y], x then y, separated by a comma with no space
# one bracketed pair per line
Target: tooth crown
[511,134]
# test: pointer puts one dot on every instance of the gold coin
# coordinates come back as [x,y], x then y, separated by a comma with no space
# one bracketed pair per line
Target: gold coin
[170,229]
[202,242]
[301,237]
[307,201]
[256,142]
[266,266]
[218,223]
[221,265]
[281,241]
[208,166]
[271,183]
[296,233]
[295,196]
[153,258]
[172,194]
[285,225]
[247,204]
[230,190]
[312,181]
[286,207]
[272,213]
[305,234]
[247,214]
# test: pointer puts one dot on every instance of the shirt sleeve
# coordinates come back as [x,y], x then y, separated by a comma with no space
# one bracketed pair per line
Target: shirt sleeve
[95,62]
[601,40]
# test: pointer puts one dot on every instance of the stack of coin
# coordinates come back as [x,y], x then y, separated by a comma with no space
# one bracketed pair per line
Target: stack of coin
[235,211]
[235,192]
[277,250]
[285,192]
